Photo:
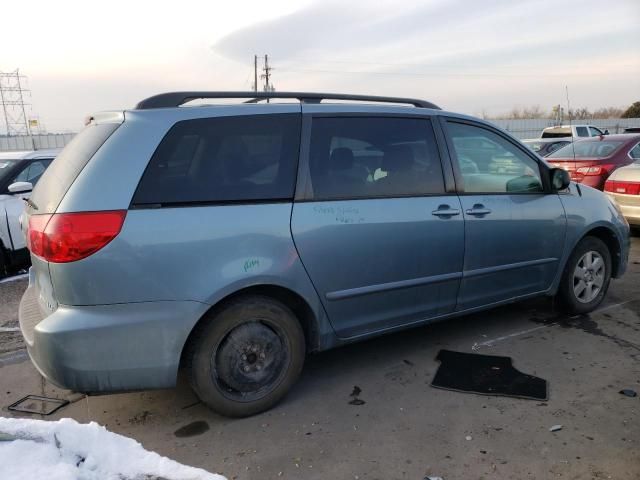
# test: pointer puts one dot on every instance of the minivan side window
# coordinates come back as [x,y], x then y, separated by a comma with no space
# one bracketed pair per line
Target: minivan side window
[223,159]
[488,163]
[368,157]
[595,132]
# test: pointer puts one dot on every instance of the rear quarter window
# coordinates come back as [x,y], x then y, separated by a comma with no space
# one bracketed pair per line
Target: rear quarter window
[223,159]
[56,180]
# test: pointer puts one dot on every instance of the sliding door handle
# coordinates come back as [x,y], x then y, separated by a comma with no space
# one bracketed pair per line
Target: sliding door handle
[478,210]
[445,211]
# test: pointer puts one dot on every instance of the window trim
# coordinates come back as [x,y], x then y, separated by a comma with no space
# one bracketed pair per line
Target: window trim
[542,168]
[304,186]
[629,153]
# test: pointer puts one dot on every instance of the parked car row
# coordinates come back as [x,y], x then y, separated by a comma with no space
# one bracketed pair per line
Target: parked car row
[19,172]
[591,161]
[231,240]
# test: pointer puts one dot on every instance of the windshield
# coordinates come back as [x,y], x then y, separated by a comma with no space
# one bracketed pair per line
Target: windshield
[6,166]
[599,149]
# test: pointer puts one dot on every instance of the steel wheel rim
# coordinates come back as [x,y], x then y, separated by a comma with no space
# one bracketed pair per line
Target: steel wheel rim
[589,276]
[256,361]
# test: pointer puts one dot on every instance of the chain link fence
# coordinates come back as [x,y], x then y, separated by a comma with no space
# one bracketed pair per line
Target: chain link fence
[532,128]
[34,142]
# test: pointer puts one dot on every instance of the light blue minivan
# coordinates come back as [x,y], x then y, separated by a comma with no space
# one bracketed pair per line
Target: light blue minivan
[233,239]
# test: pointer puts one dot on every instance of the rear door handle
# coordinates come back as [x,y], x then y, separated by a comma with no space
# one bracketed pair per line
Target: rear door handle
[478,210]
[445,211]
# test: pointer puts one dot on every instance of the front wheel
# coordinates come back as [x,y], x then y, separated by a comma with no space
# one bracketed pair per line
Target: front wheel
[247,356]
[586,277]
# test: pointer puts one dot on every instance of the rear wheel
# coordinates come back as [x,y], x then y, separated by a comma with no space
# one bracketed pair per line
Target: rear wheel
[247,356]
[586,277]
[4,268]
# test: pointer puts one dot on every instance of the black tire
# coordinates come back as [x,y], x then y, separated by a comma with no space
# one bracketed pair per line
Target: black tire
[568,298]
[247,356]
[4,268]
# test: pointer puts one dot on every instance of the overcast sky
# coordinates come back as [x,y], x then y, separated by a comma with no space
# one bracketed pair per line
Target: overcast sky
[470,56]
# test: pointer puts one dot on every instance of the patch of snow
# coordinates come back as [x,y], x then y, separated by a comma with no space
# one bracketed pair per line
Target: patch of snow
[68,450]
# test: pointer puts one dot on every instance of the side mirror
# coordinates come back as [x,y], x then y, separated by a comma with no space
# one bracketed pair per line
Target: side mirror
[20,187]
[606,131]
[560,179]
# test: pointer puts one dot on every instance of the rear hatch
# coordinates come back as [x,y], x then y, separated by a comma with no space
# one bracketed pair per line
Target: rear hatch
[45,199]
[578,168]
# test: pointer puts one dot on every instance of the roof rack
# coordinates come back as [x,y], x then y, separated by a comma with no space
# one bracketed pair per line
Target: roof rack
[175,99]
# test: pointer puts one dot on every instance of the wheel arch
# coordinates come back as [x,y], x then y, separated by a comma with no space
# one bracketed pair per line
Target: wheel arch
[606,235]
[610,239]
[294,301]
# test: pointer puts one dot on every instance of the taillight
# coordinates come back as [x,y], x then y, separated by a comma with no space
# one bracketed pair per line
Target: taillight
[626,188]
[67,237]
[597,170]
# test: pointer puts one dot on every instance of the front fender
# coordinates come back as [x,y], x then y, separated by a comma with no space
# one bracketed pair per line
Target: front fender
[589,211]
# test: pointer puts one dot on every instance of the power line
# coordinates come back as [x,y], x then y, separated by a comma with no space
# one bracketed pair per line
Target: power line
[440,74]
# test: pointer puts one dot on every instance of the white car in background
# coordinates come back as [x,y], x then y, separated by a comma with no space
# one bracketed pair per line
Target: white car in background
[623,185]
[575,131]
[19,172]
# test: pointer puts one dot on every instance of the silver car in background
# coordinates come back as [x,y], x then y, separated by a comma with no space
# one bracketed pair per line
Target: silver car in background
[546,146]
[623,186]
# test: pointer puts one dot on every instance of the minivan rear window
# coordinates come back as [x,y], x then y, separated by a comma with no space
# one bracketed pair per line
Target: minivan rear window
[223,159]
[65,168]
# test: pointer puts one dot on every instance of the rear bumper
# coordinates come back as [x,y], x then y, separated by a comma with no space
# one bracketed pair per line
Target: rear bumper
[631,213]
[108,348]
[629,206]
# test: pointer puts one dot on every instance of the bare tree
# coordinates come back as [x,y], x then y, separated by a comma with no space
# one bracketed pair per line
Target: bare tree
[608,112]
[535,111]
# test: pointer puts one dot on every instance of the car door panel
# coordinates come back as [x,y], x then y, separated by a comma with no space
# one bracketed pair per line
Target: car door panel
[386,249]
[514,227]
[512,251]
[381,263]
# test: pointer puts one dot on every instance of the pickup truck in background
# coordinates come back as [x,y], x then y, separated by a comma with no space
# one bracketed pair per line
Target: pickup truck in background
[583,131]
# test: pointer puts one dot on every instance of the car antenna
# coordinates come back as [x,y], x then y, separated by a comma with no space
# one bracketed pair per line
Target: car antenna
[573,143]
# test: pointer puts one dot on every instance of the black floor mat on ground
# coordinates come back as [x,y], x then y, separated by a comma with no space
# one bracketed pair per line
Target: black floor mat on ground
[486,375]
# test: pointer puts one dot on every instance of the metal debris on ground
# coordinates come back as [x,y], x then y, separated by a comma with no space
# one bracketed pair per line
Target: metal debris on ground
[355,394]
[9,329]
[555,428]
[627,392]
[38,405]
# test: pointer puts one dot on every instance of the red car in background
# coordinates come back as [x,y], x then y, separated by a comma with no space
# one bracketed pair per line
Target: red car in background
[592,160]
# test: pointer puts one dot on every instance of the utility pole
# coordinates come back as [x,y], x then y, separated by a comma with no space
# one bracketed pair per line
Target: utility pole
[13,104]
[267,75]
[255,73]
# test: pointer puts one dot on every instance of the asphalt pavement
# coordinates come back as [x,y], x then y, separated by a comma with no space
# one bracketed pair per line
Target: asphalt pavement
[403,428]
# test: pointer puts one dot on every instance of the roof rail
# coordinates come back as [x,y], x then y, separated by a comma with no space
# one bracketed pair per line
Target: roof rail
[175,99]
